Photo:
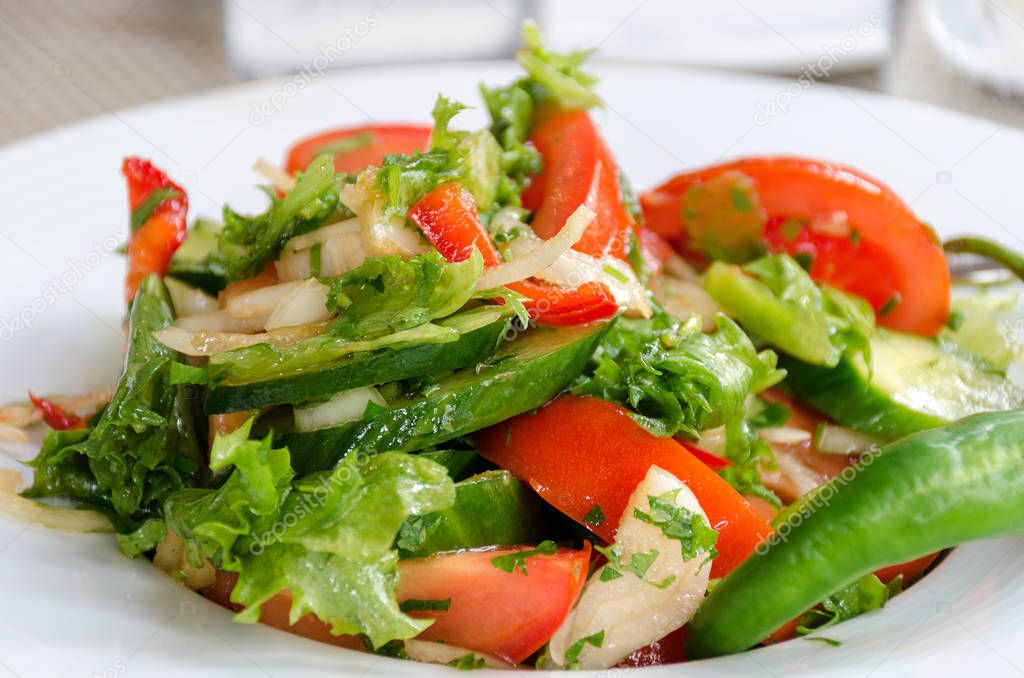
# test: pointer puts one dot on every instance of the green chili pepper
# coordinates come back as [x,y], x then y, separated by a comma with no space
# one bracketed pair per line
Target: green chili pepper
[924,493]
[987,248]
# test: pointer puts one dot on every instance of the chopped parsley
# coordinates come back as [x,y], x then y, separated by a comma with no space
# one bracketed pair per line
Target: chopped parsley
[889,306]
[638,565]
[688,528]
[864,595]
[416,605]
[468,662]
[572,655]
[512,561]
[595,516]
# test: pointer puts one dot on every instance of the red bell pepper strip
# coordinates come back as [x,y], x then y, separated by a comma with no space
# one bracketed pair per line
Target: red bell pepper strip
[55,416]
[356,148]
[578,453]
[578,170]
[712,461]
[889,256]
[157,229]
[448,218]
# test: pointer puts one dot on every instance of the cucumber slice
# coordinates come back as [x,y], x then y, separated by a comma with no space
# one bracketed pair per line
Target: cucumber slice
[490,509]
[913,384]
[480,331]
[524,375]
[192,262]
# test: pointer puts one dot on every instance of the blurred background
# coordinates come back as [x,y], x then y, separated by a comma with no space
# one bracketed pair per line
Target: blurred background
[65,60]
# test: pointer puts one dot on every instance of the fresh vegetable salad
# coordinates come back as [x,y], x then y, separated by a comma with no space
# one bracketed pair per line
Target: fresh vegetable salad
[463,397]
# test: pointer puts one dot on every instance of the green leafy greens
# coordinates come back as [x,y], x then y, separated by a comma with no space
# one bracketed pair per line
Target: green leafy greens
[864,595]
[676,379]
[143,446]
[327,537]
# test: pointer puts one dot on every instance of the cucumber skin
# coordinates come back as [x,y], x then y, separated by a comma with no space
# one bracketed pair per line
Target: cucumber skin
[842,394]
[381,367]
[468,401]
[491,509]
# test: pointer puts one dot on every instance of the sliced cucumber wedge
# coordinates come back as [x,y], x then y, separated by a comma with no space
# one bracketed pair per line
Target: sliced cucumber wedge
[192,262]
[913,383]
[523,375]
[490,509]
[480,330]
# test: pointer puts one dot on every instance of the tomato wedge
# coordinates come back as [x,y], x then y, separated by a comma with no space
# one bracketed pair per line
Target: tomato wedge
[448,218]
[163,225]
[578,170]
[507,614]
[578,453]
[356,148]
[888,256]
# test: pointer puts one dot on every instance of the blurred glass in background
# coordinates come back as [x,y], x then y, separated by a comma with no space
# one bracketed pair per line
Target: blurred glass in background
[62,60]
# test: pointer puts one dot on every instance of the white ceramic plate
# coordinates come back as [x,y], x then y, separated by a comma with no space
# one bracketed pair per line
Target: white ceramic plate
[72,605]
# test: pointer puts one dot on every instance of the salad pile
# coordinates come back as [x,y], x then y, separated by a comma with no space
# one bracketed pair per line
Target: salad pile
[463,397]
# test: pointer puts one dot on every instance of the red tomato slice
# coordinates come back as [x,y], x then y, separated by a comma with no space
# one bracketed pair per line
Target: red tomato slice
[356,148]
[893,261]
[151,247]
[507,614]
[668,650]
[578,170]
[448,218]
[275,612]
[911,571]
[581,452]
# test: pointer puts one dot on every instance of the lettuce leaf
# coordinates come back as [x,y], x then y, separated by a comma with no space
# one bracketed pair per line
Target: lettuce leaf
[143,446]
[327,537]
[391,294]
[247,243]
[556,78]
[675,378]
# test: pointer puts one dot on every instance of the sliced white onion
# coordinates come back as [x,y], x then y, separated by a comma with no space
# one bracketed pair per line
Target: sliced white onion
[713,441]
[631,611]
[188,300]
[52,517]
[572,269]
[22,414]
[542,256]
[341,254]
[221,321]
[260,301]
[274,175]
[784,435]
[345,407]
[381,235]
[305,304]
[291,266]
[204,343]
[12,434]
[677,267]
[439,653]
[322,235]
[835,439]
